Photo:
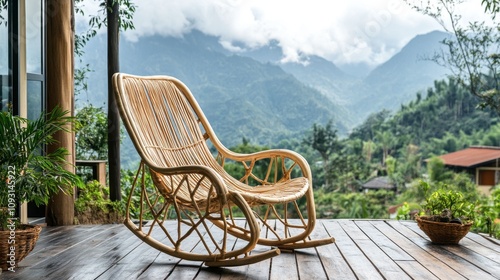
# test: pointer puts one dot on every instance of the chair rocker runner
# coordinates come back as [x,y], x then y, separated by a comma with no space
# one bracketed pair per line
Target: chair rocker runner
[191,212]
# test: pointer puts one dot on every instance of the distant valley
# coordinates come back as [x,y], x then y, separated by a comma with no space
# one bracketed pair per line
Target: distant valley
[252,95]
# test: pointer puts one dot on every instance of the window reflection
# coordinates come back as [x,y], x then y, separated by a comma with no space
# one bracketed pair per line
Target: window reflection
[4,40]
[5,97]
[34,37]
[35,100]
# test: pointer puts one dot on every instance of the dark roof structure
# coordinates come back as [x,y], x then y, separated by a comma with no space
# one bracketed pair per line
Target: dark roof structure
[379,183]
[471,156]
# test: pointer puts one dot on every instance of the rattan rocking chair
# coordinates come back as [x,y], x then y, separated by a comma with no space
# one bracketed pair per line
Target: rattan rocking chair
[175,143]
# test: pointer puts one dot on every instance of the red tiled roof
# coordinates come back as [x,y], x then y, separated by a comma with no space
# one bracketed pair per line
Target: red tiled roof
[471,156]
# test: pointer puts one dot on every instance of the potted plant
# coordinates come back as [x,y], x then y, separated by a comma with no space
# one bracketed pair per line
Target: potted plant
[447,215]
[29,174]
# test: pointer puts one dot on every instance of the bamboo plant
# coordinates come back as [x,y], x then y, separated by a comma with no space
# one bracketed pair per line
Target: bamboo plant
[28,172]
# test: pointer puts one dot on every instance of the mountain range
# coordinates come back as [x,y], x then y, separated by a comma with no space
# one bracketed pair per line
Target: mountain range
[253,95]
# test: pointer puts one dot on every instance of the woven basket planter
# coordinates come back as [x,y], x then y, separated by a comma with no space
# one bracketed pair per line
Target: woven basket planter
[25,240]
[443,233]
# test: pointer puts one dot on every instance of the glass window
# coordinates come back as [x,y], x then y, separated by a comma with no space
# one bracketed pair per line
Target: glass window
[4,43]
[34,58]
[35,100]
[34,33]
[4,93]
[4,60]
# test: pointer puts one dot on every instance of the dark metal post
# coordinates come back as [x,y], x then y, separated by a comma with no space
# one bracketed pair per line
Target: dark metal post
[14,63]
[113,114]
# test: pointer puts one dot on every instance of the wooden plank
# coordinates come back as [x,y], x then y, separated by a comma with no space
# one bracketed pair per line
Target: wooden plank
[488,252]
[164,263]
[333,262]
[283,266]
[487,249]
[107,254]
[69,236]
[88,254]
[105,251]
[430,262]
[77,251]
[260,270]
[236,272]
[385,265]
[309,264]
[133,264]
[211,273]
[462,254]
[390,248]
[352,229]
[359,263]
[141,262]
[448,259]
[52,236]
[481,262]
[159,268]
[487,242]
[416,270]
[186,269]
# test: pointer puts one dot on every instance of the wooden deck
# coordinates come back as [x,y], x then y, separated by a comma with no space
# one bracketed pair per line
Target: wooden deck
[364,249]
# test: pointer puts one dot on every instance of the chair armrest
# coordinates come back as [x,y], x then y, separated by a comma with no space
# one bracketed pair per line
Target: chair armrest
[268,154]
[212,175]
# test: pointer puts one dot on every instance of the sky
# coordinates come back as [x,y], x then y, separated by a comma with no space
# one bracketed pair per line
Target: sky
[344,32]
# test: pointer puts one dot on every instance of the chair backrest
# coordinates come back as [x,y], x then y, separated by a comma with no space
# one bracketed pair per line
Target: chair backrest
[163,119]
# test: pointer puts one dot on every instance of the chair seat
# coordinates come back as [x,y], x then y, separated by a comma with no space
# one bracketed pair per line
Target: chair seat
[280,192]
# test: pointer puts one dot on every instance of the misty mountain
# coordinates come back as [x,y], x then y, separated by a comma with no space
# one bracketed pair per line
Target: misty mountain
[397,81]
[387,86]
[252,94]
[240,96]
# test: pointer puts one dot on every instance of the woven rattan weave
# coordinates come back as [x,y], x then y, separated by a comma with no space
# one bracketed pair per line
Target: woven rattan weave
[443,233]
[16,245]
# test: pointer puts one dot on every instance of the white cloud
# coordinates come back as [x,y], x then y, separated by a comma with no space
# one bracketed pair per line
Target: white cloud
[368,31]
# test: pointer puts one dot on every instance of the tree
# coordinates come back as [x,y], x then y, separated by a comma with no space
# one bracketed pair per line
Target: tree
[325,141]
[237,170]
[437,170]
[3,6]
[374,122]
[385,140]
[91,135]
[116,15]
[96,22]
[368,149]
[472,53]
[491,6]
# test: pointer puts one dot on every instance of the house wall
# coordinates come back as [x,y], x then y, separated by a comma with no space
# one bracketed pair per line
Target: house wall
[486,178]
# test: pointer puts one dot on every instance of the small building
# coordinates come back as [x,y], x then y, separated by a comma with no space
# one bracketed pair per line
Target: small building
[379,183]
[481,162]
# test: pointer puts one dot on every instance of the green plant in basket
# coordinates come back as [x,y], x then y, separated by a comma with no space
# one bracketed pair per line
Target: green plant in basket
[448,206]
[447,215]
